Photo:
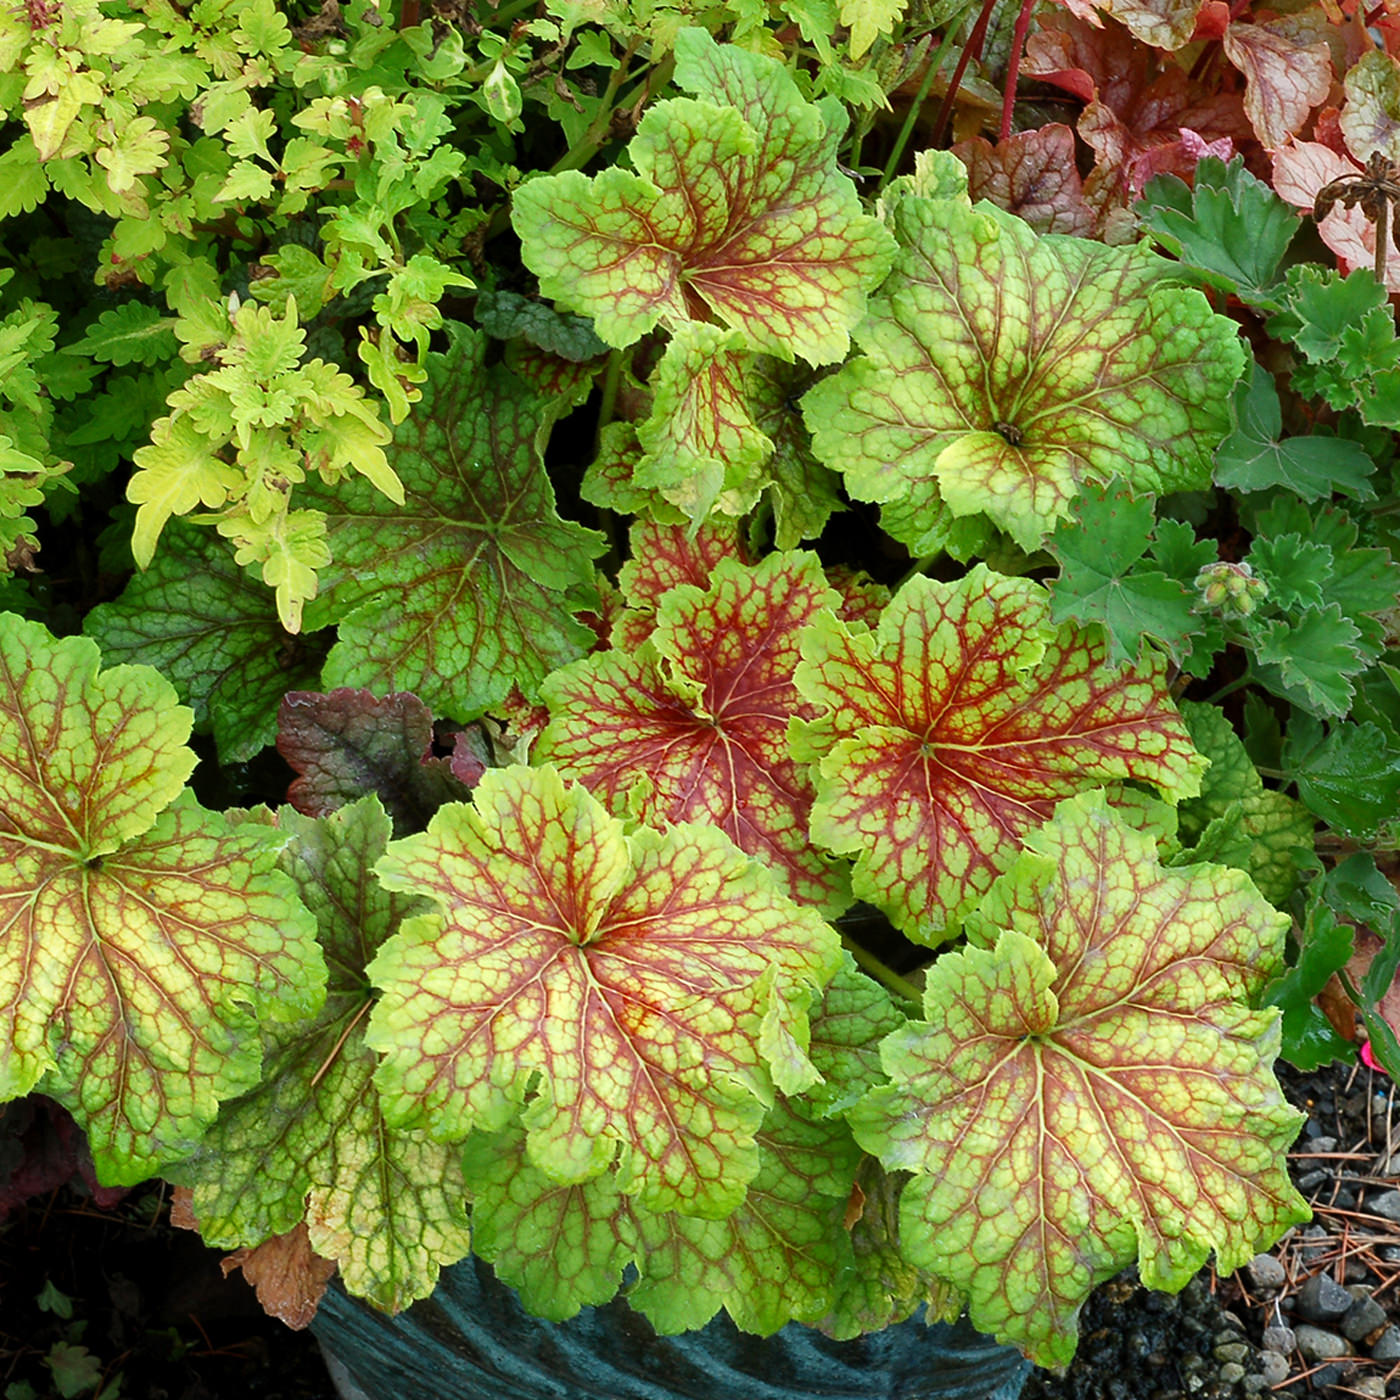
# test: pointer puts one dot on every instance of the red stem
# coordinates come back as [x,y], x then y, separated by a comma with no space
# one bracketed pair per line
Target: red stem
[973,48]
[1013,68]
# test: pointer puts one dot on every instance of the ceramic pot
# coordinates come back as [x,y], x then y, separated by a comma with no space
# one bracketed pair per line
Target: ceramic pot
[473,1341]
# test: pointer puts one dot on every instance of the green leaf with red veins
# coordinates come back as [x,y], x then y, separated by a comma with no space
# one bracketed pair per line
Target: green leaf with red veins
[882,1287]
[136,944]
[310,1142]
[1090,1086]
[618,987]
[703,450]
[694,726]
[956,726]
[473,585]
[735,209]
[1002,369]
[776,1257]
[856,1015]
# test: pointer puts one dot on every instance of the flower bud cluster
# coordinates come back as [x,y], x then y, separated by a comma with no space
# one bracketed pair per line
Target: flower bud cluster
[1232,589]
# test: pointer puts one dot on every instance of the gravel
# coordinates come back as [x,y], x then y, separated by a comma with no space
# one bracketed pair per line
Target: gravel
[1317,1316]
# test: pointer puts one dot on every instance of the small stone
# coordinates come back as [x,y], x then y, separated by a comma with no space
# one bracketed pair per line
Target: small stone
[1323,1299]
[1231,1351]
[1311,1180]
[1275,1367]
[1231,1373]
[1387,1348]
[1280,1339]
[1323,1143]
[1345,1199]
[1371,1386]
[1362,1318]
[1317,1344]
[1356,1271]
[1266,1272]
[1332,1374]
[1390,1253]
[1387,1204]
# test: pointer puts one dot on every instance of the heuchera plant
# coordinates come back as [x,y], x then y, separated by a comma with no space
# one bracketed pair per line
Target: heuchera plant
[685,649]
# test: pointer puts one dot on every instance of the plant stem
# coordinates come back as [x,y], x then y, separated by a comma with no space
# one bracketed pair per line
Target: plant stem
[916,568]
[1238,683]
[868,962]
[972,48]
[1382,238]
[612,379]
[1013,67]
[912,117]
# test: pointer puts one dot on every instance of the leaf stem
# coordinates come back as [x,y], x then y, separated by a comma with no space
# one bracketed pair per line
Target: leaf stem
[1013,68]
[612,379]
[1239,683]
[868,962]
[1382,238]
[972,48]
[915,569]
[912,117]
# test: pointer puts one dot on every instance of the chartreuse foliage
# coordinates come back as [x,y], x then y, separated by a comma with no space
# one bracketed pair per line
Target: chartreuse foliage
[357,335]
[657,986]
[139,931]
[310,1142]
[1090,1084]
[1002,370]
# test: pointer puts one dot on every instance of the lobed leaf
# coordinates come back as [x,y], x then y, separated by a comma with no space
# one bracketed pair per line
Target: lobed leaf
[1090,1086]
[955,727]
[309,1145]
[1001,371]
[471,586]
[693,727]
[140,933]
[735,209]
[620,990]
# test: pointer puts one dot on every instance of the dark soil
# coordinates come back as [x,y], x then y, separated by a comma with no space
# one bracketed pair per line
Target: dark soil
[152,1315]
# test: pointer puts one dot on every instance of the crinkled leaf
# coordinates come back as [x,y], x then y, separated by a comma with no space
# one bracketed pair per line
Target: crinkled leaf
[1032,175]
[472,585]
[619,988]
[882,1287]
[1090,1086]
[804,493]
[1103,578]
[351,742]
[955,727]
[856,1014]
[1275,832]
[776,1257]
[695,728]
[506,315]
[1255,457]
[1286,75]
[214,632]
[1295,570]
[1311,658]
[735,207]
[1002,370]
[702,449]
[310,1143]
[1227,224]
[138,935]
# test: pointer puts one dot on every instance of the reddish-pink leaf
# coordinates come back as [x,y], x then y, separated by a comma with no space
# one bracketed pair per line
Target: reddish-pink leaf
[1286,75]
[699,731]
[957,725]
[1031,175]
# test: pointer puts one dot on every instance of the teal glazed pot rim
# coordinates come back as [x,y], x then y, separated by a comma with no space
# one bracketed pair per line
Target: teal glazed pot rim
[472,1340]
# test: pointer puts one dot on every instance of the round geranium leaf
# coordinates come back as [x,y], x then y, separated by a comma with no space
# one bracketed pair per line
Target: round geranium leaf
[638,995]
[1090,1085]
